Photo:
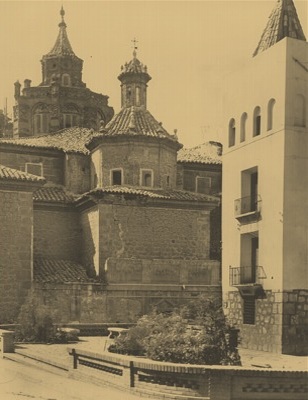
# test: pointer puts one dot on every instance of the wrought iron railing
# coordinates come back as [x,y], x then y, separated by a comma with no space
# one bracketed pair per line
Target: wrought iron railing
[247,204]
[246,275]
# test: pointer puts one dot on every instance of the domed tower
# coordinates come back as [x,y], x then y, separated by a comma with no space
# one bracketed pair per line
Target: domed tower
[61,64]
[134,78]
[62,99]
[134,149]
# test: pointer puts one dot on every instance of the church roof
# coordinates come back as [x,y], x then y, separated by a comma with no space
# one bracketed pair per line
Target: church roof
[59,271]
[11,174]
[62,47]
[54,194]
[136,121]
[283,22]
[69,140]
[206,153]
[163,194]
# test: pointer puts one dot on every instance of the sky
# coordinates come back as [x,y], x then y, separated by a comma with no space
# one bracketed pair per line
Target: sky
[188,47]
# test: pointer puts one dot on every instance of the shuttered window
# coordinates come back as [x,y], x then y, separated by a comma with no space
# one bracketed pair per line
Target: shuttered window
[249,310]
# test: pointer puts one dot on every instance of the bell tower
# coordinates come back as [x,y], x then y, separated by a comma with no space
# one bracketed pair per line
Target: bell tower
[134,78]
[61,65]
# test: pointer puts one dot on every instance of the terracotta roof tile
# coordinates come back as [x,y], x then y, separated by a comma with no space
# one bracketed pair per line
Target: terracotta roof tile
[206,153]
[59,271]
[53,195]
[163,194]
[136,121]
[283,22]
[70,140]
[10,174]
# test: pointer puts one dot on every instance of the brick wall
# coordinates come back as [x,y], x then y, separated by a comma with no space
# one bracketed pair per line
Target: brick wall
[77,173]
[133,230]
[131,156]
[57,233]
[52,163]
[16,215]
[90,241]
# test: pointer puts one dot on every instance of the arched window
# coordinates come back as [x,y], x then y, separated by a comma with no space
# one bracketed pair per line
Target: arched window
[270,114]
[243,127]
[257,121]
[40,119]
[66,80]
[137,96]
[70,115]
[232,131]
[300,110]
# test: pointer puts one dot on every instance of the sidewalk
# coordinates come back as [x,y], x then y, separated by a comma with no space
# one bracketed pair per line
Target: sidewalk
[58,354]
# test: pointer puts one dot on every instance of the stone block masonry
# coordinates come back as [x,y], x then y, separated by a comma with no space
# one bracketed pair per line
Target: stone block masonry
[281,321]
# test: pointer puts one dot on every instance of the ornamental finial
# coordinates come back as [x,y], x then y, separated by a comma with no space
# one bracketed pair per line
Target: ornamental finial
[62,13]
[135,47]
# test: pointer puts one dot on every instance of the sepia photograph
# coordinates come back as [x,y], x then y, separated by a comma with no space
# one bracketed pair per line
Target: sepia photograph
[154,199]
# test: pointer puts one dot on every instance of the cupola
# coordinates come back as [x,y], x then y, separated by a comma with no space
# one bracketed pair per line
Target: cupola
[134,78]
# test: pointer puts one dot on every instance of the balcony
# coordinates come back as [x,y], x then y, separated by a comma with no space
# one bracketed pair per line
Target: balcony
[248,209]
[247,279]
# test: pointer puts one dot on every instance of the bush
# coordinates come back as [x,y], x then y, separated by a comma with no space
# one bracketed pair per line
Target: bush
[35,324]
[195,334]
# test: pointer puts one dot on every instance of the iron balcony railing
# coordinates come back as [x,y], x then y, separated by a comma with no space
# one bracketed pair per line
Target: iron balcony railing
[248,204]
[246,275]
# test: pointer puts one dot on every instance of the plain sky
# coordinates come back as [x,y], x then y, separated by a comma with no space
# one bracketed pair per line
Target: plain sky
[188,46]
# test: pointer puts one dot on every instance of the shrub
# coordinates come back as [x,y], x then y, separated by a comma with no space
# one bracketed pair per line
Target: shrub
[195,334]
[35,324]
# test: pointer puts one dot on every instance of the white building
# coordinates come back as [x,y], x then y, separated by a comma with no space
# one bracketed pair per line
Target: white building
[265,190]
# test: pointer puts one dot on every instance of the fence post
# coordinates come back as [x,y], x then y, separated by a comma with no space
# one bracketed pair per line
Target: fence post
[131,374]
[75,359]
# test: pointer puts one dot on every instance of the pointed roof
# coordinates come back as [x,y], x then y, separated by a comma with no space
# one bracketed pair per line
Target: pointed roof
[136,121]
[62,47]
[134,66]
[283,22]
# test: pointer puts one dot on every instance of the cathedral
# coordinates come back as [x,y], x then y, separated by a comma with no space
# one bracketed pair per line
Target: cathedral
[104,216]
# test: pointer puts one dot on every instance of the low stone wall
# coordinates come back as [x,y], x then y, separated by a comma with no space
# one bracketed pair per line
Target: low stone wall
[173,381]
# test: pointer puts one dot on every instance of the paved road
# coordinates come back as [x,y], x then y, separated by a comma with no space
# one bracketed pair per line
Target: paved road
[19,382]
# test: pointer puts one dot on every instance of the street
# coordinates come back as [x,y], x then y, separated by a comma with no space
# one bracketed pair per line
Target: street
[18,382]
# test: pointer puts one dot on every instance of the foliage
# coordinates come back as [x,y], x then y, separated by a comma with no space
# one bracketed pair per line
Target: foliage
[195,334]
[35,323]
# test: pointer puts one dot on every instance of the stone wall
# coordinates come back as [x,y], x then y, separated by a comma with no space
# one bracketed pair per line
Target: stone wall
[187,174]
[295,322]
[280,324]
[57,233]
[97,303]
[52,163]
[90,241]
[16,215]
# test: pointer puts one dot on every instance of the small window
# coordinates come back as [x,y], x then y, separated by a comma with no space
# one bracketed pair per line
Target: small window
[70,120]
[243,127]
[232,132]
[300,111]
[41,123]
[270,114]
[116,177]
[203,184]
[257,121]
[137,96]
[146,178]
[34,169]
[249,310]
[66,80]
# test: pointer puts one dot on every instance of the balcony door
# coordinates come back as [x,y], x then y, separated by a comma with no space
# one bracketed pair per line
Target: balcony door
[253,191]
[254,257]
